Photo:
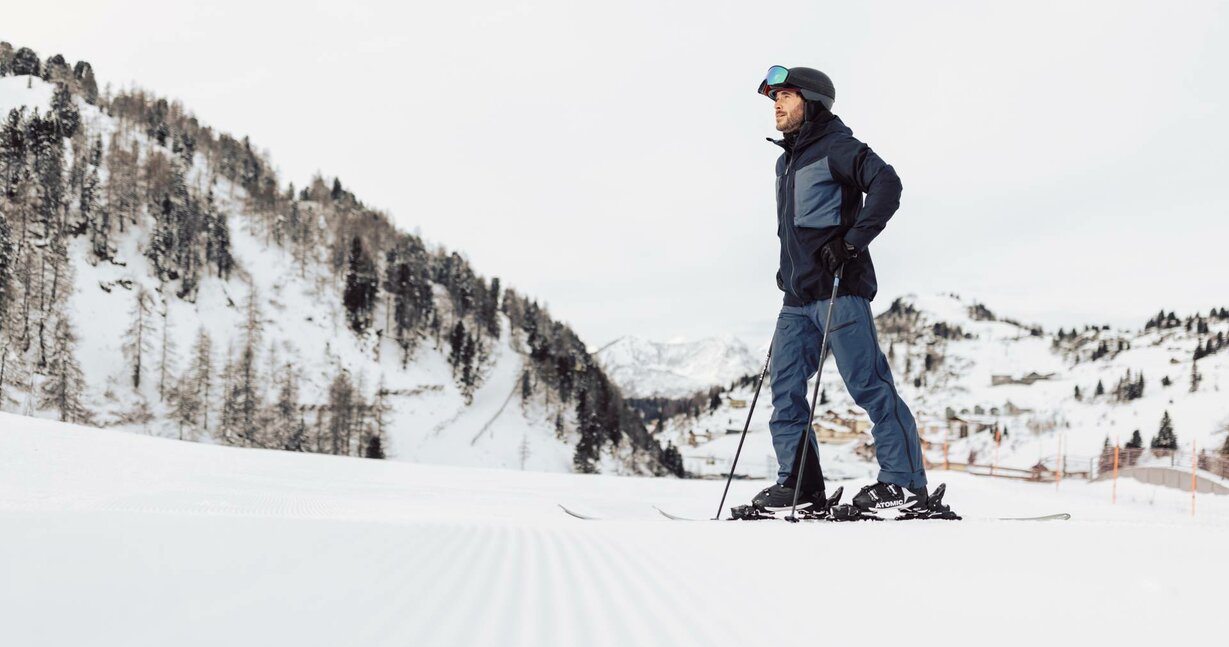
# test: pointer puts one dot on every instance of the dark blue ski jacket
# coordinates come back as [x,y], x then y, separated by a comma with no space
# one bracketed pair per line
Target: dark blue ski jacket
[821,177]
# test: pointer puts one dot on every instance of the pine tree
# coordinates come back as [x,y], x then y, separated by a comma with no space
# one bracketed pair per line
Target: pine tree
[83,72]
[285,414]
[65,384]
[186,405]
[167,353]
[230,421]
[380,410]
[1165,437]
[672,460]
[64,112]
[247,378]
[95,219]
[361,286]
[138,339]
[217,238]
[298,435]
[1100,389]
[7,257]
[456,346]
[469,376]
[25,63]
[199,377]
[526,387]
[490,311]
[588,446]
[1078,397]
[375,448]
[1136,442]
[1196,378]
[342,398]
[122,190]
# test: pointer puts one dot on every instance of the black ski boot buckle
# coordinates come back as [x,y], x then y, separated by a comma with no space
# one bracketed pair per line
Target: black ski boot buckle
[850,512]
[935,508]
[749,513]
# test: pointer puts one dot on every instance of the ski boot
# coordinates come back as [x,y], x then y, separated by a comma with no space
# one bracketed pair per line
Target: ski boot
[885,496]
[880,496]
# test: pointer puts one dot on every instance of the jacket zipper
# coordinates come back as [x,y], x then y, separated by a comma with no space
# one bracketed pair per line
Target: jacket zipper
[789,223]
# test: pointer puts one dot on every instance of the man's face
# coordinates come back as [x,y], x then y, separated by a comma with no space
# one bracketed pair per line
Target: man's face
[789,110]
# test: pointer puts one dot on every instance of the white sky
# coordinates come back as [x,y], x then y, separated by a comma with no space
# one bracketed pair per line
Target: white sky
[1063,162]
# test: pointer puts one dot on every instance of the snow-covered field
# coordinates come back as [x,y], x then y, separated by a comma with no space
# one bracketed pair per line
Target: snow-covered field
[109,538]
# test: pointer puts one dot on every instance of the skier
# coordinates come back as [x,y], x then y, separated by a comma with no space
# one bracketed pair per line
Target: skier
[824,225]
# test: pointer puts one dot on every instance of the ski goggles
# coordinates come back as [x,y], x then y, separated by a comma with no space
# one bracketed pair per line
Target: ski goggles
[773,80]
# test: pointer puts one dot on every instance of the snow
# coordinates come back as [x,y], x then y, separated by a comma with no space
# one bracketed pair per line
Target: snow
[14,93]
[108,538]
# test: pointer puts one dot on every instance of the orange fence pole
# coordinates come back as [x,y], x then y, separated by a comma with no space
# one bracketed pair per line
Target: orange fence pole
[1194,467]
[1115,499]
[1058,464]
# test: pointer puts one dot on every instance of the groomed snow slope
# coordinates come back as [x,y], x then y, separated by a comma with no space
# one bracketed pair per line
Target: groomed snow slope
[109,538]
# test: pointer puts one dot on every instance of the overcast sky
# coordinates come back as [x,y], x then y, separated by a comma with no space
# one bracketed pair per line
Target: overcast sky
[1063,162]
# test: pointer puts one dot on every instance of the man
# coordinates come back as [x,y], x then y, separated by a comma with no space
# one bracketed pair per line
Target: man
[825,226]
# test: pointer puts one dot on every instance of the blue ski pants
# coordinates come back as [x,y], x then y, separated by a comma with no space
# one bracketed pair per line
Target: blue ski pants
[868,378]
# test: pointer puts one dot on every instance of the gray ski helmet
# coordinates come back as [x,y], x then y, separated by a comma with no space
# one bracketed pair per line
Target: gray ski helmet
[813,84]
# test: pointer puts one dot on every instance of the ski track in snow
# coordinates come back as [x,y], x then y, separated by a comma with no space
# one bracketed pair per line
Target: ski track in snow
[486,427]
[108,538]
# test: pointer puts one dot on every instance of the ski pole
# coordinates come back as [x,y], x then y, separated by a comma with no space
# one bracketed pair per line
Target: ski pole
[739,451]
[823,355]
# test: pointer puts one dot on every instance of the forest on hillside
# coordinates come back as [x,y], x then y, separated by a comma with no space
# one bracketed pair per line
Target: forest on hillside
[160,170]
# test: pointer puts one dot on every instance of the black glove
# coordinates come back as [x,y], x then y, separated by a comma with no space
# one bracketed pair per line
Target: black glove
[835,253]
[780,283]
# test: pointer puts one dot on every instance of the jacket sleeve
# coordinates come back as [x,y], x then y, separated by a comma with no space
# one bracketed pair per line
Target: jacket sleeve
[855,164]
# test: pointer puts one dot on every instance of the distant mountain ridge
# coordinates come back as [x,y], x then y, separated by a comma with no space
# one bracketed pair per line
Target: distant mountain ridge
[645,368]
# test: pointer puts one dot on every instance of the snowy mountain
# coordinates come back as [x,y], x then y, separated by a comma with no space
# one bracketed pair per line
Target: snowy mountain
[644,368]
[158,277]
[964,370]
[146,541]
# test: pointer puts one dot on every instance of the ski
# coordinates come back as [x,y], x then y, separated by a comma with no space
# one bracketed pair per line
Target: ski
[1061,516]
[837,512]
[675,517]
[577,514]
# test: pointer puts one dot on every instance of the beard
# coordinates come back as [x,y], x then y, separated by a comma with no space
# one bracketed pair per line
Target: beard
[791,124]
